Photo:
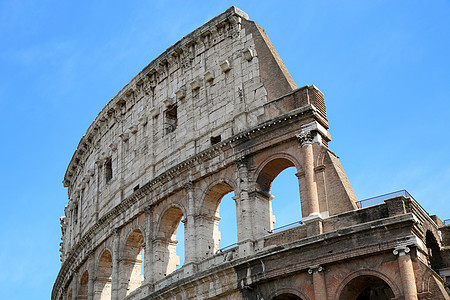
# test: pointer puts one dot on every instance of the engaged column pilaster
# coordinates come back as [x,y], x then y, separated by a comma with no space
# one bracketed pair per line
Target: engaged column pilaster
[190,238]
[320,292]
[148,254]
[245,218]
[406,272]
[305,139]
[115,267]
[91,270]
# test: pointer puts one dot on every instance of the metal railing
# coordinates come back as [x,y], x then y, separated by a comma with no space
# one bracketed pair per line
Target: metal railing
[380,199]
[227,248]
[288,226]
[363,203]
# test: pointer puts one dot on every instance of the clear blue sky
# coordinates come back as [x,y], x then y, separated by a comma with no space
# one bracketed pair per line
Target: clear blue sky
[383,66]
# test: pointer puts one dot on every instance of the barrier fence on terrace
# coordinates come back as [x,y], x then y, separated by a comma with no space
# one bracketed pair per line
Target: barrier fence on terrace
[288,226]
[363,204]
[225,249]
[380,199]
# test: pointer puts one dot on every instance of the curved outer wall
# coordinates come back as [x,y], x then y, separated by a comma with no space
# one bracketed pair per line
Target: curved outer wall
[217,112]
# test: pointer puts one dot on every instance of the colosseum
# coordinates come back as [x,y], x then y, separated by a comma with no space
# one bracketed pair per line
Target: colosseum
[216,113]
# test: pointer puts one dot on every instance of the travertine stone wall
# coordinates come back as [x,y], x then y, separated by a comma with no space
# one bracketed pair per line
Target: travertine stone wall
[190,113]
[214,81]
[215,113]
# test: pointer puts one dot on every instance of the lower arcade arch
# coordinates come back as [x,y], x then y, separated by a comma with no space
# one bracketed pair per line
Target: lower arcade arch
[103,281]
[83,289]
[209,218]
[166,259]
[131,264]
[287,296]
[366,287]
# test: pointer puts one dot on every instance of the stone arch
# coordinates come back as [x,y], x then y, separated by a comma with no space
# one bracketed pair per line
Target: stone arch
[103,281]
[288,294]
[131,263]
[272,166]
[211,185]
[265,174]
[166,259]
[83,289]
[127,231]
[208,217]
[434,251]
[164,211]
[359,281]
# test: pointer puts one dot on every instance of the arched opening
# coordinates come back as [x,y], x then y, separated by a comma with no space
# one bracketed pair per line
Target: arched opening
[286,198]
[366,287]
[131,263]
[102,286]
[286,296]
[210,235]
[180,238]
[278,185]
[83,289]
[434,252]
[165,251]
[228,221]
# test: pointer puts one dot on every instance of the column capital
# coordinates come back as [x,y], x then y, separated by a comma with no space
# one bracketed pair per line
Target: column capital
[242,161]
[189,186]
[315,269]
[116,231]
[401,250]
[305,138]
[148,209]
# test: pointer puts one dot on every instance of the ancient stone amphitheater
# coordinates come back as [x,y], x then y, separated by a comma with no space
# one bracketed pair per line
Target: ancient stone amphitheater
[216,113]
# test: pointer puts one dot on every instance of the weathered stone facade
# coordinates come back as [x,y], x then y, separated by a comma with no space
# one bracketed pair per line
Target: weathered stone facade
[215,113]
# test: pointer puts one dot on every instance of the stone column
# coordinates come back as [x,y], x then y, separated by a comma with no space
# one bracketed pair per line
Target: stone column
[115,267]
[98,163]
[148,252]
[80,208]
[190,238]
[406,272]
[320,289]
[70,237]
[244,214]
[91,270]
[306,138]
[75,285]
[121,153]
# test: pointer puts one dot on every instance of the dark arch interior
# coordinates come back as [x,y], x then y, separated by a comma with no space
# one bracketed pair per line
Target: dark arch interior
[287,296]
[367,287]
[434,251]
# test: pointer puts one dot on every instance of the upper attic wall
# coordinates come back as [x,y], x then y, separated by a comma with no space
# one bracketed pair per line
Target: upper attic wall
[273,72]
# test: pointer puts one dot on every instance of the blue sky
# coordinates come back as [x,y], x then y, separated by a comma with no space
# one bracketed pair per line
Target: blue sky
[383,66]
